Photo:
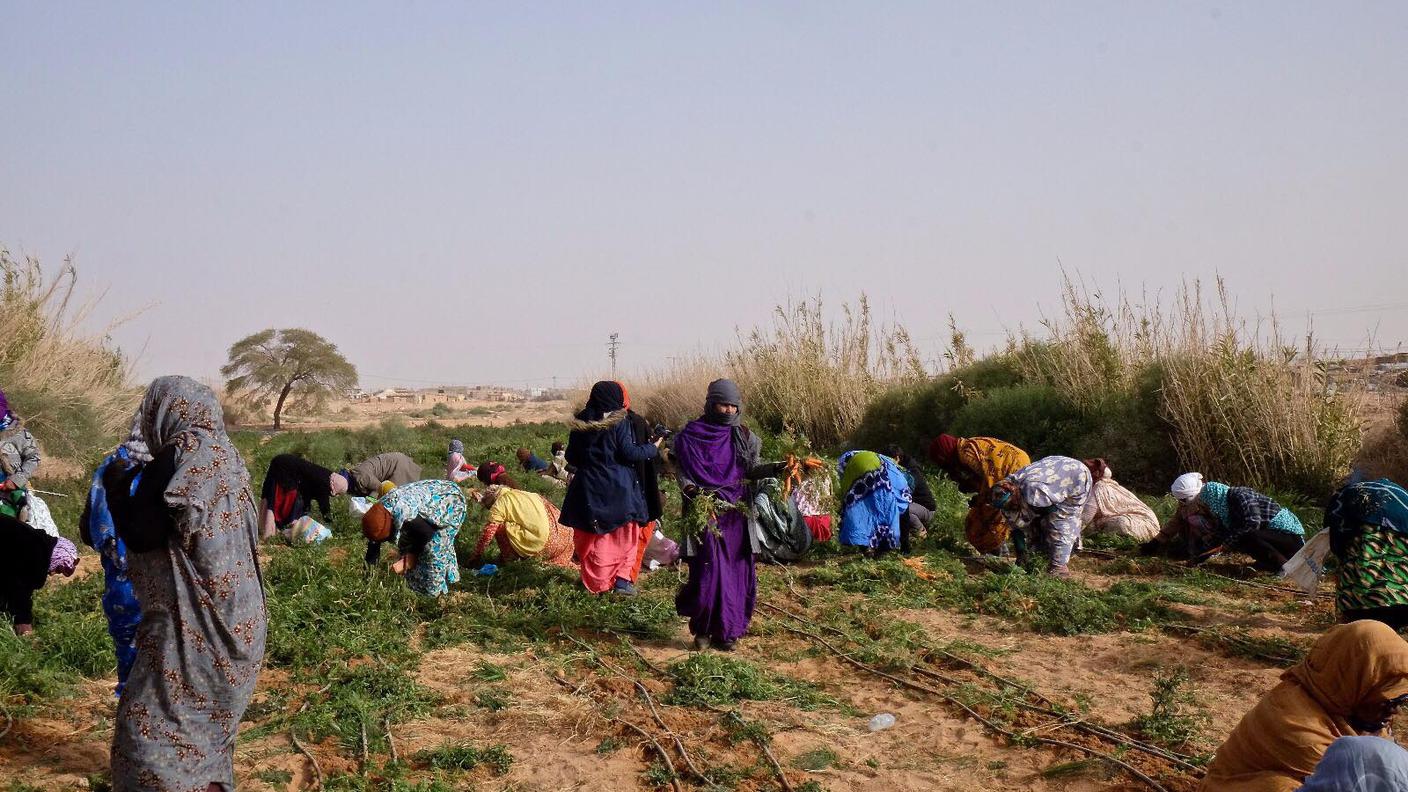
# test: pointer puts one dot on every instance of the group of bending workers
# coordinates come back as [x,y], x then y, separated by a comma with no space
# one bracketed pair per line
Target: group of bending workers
[174,517]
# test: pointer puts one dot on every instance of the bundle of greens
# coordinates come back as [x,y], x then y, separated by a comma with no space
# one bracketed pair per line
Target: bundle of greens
[701,515]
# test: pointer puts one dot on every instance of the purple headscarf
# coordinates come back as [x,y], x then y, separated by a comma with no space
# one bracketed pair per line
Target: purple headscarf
[64,558]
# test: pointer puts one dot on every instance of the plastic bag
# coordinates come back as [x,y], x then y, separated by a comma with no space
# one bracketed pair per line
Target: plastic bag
[359,506]
[306,530]
[1305,568]
[39,516]
[662,551]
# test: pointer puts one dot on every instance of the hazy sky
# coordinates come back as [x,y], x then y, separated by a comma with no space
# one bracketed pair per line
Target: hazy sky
[464,192]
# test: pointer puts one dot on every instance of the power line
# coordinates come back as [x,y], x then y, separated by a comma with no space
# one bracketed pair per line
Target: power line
[613,345]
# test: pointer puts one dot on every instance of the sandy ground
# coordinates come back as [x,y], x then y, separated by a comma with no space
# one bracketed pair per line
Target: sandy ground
[554,733]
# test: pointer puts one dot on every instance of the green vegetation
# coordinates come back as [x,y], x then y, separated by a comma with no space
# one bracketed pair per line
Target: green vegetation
[716,680]
[1174,720]
[464,756]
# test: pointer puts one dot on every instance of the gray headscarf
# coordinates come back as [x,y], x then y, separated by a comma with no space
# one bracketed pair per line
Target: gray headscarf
[723,391]
[136,443]
[182,412]
[456,447]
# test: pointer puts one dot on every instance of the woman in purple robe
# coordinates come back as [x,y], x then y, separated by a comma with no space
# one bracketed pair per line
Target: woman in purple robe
[715,455]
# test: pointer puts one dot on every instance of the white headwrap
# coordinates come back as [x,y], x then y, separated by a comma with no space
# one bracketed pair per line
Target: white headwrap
[1187,486]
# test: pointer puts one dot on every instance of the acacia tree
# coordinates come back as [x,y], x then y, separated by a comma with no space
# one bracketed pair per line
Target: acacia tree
[291,363]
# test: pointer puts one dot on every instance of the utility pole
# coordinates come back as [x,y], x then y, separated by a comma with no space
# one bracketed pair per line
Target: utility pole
[611,346]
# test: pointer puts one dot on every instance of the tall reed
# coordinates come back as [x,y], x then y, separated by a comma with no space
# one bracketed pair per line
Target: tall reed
[808,375]
[69,386]
[1240,403]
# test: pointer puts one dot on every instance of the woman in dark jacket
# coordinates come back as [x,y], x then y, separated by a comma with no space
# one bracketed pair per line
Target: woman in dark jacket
[605,504]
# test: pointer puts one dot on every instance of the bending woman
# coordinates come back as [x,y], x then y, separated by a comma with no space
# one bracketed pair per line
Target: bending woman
[1234,518]
[526,525]
[877,497]
[605,505]
[976,464]
[30,557]
[1045,500]
[1368,525]
[191,533]
[423,517]
[1352,683]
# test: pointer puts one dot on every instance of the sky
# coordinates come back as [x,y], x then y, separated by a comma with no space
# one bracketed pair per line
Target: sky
[465,192]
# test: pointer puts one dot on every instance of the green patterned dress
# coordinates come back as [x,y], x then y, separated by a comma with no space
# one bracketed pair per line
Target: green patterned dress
[1374,571]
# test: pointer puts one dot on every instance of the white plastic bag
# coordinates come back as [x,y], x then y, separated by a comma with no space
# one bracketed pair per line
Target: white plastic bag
[359,506]
[1305,568]
[39,516]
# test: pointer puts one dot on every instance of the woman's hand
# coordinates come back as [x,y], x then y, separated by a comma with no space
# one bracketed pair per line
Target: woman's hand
[9,484]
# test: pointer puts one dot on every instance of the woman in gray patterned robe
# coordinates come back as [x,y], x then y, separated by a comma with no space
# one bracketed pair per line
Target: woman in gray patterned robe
[191,534]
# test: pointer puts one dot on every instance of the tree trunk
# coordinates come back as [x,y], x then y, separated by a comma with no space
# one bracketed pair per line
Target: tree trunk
[279,407]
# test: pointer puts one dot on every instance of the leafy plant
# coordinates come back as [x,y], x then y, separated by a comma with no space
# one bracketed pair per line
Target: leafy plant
[283,364]
[1174,720]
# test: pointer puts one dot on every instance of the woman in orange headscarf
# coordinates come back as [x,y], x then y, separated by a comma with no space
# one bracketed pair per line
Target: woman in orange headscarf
[975,464]
[1352,682]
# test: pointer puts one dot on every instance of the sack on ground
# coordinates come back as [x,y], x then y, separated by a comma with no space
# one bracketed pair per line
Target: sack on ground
[1306,567]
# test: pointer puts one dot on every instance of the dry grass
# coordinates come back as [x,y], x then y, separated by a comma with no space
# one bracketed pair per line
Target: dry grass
[807,375]
[803,375]
[1243,405]
[675,395]
[70,387]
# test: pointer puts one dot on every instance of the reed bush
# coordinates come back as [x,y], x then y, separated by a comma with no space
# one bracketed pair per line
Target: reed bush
[69,386]
[1239,403]
[1153,388]
[815,377]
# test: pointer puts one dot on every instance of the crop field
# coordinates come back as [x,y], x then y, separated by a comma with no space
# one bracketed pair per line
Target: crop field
[1125,677]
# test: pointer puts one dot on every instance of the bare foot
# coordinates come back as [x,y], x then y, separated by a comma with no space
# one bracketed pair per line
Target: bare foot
[24,629]
[404,564]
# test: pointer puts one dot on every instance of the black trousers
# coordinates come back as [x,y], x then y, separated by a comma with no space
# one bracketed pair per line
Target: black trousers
[1271,549]
[17,600]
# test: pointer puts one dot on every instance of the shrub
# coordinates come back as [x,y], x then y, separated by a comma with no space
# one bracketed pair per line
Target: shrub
[1036,418]
[914,413]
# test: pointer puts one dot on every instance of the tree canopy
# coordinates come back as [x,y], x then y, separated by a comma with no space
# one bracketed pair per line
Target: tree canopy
[295,367]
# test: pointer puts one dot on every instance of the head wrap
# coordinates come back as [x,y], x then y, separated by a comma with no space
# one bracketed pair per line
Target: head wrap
[1002,494]
[376,523]
[64,558]
[1360,764]
[7,416]
[386,486]
[625,395]
[178,411]
[944,450]
[136,443]
[606,397]
[456,447]
[1099,469]
[723,391]
[523,454]
[1187,486]
[489,472]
